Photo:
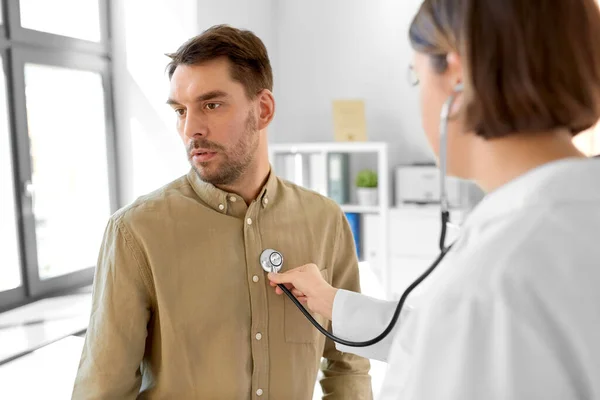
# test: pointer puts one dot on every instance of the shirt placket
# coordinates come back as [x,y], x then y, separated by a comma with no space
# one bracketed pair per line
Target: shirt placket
[258,303]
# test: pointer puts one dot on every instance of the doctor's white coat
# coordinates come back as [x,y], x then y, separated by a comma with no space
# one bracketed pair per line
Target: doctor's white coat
[512,312]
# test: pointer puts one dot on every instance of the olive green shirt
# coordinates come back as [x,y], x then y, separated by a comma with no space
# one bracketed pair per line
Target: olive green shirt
[182,308]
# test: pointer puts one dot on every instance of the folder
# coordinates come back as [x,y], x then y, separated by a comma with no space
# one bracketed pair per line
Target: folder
[338,173]
[354,222]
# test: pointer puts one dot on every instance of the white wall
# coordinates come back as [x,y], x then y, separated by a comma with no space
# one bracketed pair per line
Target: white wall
[255,15]
[347,49]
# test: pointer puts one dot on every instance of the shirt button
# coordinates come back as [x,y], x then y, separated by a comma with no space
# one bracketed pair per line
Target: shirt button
[266,201]
[255,278]
[221,207]
[259,392]
[232,199]
[249,221]
[258,336]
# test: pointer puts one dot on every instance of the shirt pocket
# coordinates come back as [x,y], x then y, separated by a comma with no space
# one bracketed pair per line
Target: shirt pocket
[298,329]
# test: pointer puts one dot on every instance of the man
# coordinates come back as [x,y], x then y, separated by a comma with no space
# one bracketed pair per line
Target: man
[181,307]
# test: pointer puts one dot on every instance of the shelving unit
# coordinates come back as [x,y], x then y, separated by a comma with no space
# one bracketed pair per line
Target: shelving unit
[357,208]
[322,150]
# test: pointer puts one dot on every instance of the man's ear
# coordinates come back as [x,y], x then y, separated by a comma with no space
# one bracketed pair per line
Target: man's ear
[266,104]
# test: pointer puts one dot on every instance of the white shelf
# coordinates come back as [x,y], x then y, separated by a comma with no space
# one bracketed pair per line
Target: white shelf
[356,208]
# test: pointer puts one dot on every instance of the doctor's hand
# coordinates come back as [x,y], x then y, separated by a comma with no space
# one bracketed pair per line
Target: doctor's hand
[309,287]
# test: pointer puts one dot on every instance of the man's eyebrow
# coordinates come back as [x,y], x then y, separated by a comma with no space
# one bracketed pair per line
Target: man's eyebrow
[214,94]
[211,95]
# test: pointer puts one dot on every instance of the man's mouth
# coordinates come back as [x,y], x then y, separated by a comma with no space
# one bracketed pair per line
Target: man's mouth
[203,155]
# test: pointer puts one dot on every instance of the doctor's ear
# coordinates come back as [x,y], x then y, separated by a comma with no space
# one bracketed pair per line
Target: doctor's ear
[454,71]
[455,75]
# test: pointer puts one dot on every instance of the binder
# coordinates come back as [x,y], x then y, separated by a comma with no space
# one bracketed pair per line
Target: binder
[338,177]
[354,222]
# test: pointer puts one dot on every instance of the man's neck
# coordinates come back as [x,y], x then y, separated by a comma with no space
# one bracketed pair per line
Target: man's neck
[496,162]
[249,185]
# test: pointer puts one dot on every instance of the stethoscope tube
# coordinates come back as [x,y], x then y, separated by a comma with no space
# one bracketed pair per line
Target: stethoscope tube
[445,219]
[390,326]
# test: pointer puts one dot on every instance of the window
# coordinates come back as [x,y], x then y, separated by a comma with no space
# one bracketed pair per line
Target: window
[67,136]
[73,18]
[57,166]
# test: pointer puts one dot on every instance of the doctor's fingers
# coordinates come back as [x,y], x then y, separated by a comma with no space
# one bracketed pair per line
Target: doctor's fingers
[287,277]
[293,275]
[298,294]
[287,285]
[278,290]
[303,278]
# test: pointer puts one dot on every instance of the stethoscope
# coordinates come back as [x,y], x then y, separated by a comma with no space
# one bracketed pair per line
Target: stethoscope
[272,260]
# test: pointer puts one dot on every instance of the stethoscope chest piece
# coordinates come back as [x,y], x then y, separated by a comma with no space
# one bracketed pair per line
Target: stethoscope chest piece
[271,260]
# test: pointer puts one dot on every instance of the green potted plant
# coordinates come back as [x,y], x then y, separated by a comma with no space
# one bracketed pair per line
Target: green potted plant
[366,187]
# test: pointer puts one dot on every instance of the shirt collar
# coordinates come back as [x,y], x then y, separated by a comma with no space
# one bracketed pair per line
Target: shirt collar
[567,180]
[220,200]
[269,191]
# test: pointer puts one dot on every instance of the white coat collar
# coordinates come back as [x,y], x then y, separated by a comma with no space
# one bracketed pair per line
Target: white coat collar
[567,180]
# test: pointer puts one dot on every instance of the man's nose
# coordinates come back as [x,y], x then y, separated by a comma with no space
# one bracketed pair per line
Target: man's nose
[194,125]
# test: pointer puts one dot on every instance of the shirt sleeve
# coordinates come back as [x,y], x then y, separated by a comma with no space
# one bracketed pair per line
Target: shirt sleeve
[345,375]
[358,318]
[121,307]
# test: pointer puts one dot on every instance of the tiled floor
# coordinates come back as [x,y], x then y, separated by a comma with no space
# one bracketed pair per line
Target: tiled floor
[49,371]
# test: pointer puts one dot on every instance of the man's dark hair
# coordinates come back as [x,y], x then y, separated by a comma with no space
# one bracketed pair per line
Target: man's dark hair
[247,55]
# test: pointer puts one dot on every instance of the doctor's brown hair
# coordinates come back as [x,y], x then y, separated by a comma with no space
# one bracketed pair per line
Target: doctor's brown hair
[529,65]
[247,55]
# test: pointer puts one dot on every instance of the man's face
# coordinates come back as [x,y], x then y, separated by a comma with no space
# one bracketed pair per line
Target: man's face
[215,119]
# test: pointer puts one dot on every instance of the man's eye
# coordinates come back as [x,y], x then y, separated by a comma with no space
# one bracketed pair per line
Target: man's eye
[180,111]
[212,106]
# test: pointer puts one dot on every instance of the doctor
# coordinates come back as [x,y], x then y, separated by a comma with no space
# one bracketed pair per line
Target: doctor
[513,310]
